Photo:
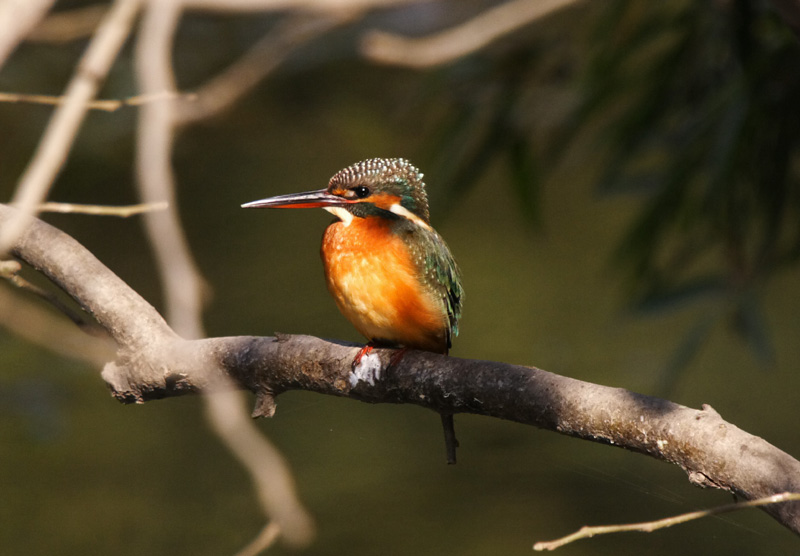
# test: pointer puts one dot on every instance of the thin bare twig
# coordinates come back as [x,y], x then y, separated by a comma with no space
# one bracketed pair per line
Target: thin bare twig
[103,210]
[43,328]
[9,270]
[183,284]
[588,531]
[222,91]
[108,105]
[459,41]
[60,133]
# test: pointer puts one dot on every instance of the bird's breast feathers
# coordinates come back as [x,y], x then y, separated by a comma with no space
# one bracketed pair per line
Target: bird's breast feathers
[379,285]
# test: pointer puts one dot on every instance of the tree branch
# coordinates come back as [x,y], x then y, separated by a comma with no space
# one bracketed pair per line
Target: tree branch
[153,362]
[51,153]
[44,327]
[223,91]
[145,342]
[184,286]
[589,531]
[456,42]
[68,25]
[16,19]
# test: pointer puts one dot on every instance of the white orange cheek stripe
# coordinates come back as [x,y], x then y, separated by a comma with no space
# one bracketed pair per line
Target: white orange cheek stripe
[400,210]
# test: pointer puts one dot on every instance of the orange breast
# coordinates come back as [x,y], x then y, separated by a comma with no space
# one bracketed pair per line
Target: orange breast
[377,286]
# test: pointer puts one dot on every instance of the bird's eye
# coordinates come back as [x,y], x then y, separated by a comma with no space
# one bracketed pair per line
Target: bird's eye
[361,191]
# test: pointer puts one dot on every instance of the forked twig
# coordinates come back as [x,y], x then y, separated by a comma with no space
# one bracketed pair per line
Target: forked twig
[9,270]
[40,326]
[588,531]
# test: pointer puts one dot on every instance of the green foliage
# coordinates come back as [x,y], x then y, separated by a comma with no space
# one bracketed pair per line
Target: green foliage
[488,95]
[691,107]
[698,102]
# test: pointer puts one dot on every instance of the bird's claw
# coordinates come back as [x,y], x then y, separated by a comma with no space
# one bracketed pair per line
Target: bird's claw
[366,350]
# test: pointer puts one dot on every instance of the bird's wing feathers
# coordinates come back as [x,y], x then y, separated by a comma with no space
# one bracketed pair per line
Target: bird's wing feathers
[443,274]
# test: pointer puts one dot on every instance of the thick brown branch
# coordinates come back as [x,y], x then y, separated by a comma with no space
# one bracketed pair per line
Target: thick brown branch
[154,363]
[130,320]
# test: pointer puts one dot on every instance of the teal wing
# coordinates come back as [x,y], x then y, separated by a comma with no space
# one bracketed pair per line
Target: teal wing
[438,268]
[443,274]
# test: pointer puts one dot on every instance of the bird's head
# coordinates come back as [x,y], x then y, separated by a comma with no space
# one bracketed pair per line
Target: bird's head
[389,187]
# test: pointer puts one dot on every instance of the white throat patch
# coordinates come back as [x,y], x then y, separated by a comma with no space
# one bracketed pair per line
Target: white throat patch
[341,213]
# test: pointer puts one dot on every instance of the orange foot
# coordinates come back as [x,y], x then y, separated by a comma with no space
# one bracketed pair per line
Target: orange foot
[366,350]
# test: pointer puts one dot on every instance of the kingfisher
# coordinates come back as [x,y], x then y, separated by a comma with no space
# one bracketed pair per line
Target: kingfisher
[391,274]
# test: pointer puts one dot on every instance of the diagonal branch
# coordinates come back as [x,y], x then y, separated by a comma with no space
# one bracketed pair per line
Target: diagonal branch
[456,42]
[51,153]
[68,25]
[144,338]
[153,362]
[224,90]
[16,19]
[40,326]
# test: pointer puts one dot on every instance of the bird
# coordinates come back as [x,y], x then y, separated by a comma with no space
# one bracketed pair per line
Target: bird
[390,273]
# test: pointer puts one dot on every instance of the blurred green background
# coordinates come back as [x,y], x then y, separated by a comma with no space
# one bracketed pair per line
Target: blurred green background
[619,184]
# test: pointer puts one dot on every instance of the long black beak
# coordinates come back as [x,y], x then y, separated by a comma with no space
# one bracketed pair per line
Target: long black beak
[309,199]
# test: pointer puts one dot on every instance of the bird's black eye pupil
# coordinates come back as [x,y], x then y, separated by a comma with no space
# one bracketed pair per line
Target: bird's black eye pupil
[361,191]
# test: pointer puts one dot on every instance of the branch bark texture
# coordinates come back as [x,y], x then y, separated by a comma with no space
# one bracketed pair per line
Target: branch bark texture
[153,362]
